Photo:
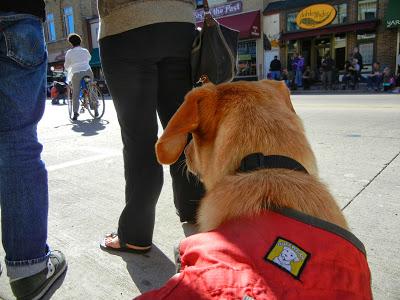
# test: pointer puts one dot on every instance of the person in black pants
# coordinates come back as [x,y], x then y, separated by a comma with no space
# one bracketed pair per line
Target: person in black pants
[147,70]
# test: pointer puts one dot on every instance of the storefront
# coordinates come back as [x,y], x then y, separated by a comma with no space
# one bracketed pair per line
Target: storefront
[392,22]
[354,23]
[248,24]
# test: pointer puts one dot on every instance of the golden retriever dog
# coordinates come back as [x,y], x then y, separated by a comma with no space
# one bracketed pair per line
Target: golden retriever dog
[270,231]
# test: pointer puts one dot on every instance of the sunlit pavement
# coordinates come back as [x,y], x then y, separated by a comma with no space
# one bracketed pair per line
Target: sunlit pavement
[357,143]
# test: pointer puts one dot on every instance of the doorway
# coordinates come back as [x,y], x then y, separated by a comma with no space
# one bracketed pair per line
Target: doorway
[306,51]
[322,47]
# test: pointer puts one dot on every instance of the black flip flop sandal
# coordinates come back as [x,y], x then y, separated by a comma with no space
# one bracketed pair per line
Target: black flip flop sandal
[122,248]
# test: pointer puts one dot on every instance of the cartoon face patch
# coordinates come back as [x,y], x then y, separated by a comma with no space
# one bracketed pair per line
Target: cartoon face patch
[287,256]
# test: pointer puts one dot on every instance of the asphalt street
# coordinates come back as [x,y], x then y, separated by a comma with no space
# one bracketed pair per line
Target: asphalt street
[356,139]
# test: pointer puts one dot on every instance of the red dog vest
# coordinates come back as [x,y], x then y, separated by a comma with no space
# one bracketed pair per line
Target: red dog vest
[286,255]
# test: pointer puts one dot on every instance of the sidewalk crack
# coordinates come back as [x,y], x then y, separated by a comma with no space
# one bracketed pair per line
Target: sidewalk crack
[372,180]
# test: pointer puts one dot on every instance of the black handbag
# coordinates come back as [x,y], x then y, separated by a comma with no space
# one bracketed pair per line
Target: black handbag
[214,51]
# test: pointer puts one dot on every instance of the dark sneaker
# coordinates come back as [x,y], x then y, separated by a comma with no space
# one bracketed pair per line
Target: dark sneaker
[35,286]
[75,117]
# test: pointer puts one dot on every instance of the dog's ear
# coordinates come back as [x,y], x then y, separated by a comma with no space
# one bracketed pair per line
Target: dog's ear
[285,92]
[174,139]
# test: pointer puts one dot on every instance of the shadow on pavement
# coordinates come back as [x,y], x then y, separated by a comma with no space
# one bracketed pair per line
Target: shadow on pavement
[89,127]
[148,271]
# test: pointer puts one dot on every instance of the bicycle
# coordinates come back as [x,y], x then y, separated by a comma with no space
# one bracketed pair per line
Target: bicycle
[90,98]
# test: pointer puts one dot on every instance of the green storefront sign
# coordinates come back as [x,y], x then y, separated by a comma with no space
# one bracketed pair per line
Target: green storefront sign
[392,17]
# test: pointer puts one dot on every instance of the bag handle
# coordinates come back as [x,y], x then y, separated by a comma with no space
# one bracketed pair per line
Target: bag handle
[208,18]
[205,6]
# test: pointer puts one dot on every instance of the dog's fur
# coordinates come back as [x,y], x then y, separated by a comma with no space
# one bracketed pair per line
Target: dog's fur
[230,121]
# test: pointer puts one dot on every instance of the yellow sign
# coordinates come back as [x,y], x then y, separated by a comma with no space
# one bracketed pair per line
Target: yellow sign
[316,16]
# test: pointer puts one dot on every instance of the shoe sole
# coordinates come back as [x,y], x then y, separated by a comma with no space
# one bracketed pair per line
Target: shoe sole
[122,249]
[48,285]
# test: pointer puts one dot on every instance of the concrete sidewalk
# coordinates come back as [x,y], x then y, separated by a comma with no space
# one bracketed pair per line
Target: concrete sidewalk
[357,144]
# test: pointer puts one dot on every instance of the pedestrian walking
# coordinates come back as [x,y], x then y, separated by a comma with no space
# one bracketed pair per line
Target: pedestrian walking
[275,68]
[297,66]
[77,64]
[145,51]
[327,66]
[31,266]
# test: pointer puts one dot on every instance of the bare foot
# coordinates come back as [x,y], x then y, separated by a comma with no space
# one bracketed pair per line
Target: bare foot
[113,242]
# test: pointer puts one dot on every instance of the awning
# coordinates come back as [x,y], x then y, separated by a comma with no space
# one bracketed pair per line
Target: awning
[358,27]
[392,15]
[248,24]
[276,6]
[95,61]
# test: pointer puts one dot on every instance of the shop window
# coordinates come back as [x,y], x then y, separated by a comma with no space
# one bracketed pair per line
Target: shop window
[366,47]
[291,22]
[367,52]
[247,59]
[367,10]
[69,20]
[50,28]
[341,13]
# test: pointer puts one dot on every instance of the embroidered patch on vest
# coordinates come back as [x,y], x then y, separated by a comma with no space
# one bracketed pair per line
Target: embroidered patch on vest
[287,256]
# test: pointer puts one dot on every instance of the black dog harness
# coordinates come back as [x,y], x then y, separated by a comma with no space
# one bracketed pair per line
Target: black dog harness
[256,161]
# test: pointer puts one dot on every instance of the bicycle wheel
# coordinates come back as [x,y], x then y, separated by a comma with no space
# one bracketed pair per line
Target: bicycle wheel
[70,110]
[96,105]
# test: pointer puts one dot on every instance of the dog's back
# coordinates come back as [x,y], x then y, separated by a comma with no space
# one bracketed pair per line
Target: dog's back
[270,232]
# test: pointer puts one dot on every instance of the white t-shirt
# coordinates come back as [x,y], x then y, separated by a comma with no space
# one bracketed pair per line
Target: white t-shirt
[77,60]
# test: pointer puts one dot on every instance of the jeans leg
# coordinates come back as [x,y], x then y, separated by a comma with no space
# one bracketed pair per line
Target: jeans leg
[174,83]
[276,75]
[299,78]
[23,177]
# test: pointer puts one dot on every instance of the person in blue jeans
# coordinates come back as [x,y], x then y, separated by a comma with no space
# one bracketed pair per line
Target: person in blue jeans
[298,65]
[31,266]
[275,68]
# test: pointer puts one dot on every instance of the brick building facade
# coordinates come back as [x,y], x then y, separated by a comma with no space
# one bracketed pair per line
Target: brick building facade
[358,23]
[62,18]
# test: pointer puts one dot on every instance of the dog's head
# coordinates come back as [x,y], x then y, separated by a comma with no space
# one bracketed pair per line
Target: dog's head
[288,255]
[230,121]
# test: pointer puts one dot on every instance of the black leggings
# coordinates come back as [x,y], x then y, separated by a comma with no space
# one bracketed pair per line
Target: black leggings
[148,70]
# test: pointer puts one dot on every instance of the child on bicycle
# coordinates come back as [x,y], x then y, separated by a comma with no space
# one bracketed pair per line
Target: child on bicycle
[77,64]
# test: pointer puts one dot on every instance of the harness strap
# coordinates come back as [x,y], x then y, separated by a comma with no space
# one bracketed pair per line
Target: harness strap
[256,161]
